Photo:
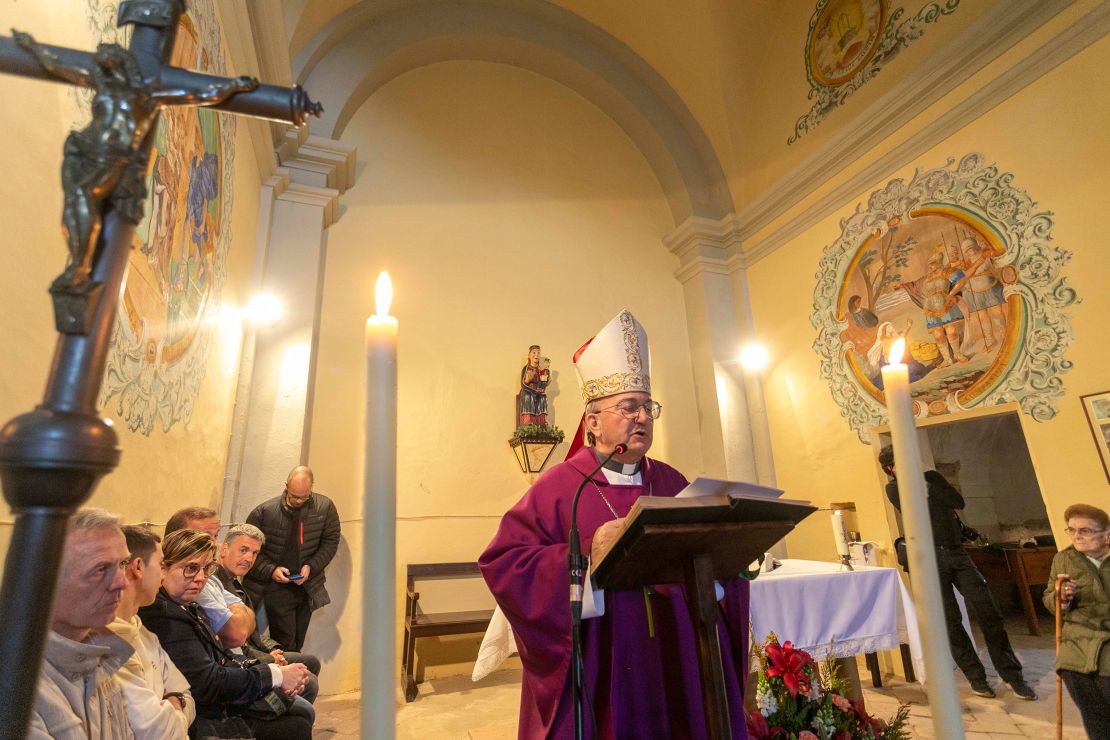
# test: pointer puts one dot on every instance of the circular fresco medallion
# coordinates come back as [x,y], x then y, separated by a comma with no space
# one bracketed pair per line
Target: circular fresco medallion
[844,38]
[931,279]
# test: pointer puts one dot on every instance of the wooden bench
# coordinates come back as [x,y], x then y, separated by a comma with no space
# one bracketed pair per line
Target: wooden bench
[418,623]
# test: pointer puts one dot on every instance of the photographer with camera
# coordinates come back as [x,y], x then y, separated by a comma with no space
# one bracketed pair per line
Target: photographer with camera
[956,569]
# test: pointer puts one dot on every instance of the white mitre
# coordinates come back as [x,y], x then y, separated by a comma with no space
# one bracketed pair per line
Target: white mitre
[615,360]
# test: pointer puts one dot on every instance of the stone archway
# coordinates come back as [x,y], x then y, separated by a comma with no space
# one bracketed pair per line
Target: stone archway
[383,42]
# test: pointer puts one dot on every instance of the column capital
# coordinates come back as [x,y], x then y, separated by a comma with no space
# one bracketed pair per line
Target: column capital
[706,245]
[316,160]
[287,189]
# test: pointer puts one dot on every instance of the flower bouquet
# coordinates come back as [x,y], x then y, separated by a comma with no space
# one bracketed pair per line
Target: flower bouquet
[797,700]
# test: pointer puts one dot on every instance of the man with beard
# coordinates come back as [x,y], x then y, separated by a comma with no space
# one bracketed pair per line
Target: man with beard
[302,536]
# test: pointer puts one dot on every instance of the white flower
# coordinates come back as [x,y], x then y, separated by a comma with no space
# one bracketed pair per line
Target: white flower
[766,702]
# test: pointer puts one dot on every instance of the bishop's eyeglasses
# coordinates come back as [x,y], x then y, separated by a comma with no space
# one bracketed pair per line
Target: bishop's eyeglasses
[630,410]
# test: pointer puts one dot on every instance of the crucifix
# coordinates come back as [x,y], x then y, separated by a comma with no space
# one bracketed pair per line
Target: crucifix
[52,457]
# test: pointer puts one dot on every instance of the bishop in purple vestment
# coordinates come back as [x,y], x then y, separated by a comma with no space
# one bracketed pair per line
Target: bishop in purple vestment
[641,665]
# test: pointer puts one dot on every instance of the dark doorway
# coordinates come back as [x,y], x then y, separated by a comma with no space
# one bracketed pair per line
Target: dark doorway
[986,458]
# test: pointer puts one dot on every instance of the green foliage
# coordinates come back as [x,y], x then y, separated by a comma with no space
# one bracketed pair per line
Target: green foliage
[832,680]
[539,433]
[796,698]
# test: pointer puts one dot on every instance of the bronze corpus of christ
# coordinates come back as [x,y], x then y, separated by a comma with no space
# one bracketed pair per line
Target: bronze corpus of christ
[52,457]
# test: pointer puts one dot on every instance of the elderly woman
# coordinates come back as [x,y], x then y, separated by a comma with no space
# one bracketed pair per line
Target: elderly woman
[1084,660]
[232,693]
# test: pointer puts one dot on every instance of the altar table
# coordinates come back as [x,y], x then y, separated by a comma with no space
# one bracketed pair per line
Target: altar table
[815,604]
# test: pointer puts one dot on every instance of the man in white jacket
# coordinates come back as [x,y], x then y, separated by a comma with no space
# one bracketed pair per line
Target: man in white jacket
[77,697]
[159,705]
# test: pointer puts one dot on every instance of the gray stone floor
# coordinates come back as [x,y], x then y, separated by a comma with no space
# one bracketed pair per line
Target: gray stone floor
[454,708]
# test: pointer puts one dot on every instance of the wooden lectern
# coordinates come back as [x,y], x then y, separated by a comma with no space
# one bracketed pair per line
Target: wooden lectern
[694,541]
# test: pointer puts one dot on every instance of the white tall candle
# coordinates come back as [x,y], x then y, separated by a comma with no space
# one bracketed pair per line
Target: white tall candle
[943,701]
[840,534]
[379,522]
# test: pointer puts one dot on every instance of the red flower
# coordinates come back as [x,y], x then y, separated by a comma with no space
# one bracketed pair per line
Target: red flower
[790,664]
[758,728]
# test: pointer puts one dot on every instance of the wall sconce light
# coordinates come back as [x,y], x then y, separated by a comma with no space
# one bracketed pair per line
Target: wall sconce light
[754,357]
[263,310]
[532,454]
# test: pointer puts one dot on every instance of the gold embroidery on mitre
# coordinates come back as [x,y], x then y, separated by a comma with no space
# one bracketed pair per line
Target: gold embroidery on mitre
[631,341]
[609,385]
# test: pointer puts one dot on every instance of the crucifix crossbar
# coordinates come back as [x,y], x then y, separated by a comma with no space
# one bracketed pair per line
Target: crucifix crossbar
[52,457]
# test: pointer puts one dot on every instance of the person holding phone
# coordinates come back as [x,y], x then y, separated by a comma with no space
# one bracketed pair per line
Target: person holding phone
[302,536]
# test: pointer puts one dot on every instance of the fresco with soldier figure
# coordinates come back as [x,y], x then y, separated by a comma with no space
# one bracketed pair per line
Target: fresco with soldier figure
[958,262]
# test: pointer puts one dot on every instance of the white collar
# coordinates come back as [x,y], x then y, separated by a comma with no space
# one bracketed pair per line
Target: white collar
[621,479]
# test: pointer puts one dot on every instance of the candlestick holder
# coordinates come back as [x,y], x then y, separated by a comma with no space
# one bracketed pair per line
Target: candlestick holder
[846,561]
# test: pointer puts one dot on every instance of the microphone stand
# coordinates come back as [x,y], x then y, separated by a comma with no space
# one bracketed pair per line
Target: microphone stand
[576,564]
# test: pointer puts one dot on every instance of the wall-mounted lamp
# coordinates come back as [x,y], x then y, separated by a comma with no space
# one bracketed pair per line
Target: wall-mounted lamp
[533,454]
[263,310]
[754,357]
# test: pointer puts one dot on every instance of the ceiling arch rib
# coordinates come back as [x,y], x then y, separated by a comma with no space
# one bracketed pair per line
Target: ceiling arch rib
[382,43]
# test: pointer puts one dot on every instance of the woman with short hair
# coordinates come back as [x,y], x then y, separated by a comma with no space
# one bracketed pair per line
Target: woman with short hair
[1084,659]
[234,695]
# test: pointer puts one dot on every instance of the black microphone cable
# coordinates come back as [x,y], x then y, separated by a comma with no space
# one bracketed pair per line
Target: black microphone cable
[576,565]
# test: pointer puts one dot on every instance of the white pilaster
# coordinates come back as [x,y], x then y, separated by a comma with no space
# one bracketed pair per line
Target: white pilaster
[735,440]
[278,410]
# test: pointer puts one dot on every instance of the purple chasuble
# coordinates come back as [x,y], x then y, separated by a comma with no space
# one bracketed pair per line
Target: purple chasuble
[640,685]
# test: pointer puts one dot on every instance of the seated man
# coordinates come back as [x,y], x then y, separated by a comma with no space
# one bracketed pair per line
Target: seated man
[159,704]
[230,618]
[237,555]
[77,698]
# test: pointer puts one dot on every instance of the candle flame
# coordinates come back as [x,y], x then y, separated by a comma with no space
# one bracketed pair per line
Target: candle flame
[894,357]
[383,295]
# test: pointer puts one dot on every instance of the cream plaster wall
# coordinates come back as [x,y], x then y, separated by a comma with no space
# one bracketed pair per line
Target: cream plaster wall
[694,55]
[776,95]
[1051,135]
[509,211]
[160,473]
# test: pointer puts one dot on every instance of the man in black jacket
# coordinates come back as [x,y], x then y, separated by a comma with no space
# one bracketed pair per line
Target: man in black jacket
[302,536]
[956,569]
[238,553]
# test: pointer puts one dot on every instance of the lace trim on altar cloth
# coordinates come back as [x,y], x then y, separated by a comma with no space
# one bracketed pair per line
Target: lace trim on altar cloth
[855,646]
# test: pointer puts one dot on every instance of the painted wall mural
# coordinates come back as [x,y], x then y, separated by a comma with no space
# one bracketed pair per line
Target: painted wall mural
[162,340]
[959,261]
[849,41]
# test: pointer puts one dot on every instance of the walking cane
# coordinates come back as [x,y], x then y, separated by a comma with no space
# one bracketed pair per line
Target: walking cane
[1060,579]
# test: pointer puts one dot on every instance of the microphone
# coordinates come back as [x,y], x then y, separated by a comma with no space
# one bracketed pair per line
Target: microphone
[575,559]
[576,564]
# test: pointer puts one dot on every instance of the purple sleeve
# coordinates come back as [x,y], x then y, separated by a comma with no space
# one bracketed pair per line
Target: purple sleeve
[525,567]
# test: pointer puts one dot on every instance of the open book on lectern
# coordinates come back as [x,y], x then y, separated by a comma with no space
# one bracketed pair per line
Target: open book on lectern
[732,522]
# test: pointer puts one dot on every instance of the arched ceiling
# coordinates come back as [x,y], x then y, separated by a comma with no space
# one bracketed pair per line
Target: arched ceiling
[347,49]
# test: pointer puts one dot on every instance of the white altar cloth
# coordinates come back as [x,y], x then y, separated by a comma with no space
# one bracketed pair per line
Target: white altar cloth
[814,604]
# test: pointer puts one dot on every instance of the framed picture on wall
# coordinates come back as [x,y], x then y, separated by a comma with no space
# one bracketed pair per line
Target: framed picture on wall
[1097,408]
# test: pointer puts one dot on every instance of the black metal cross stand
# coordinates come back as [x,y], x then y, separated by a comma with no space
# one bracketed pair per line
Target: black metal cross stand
[51,458]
